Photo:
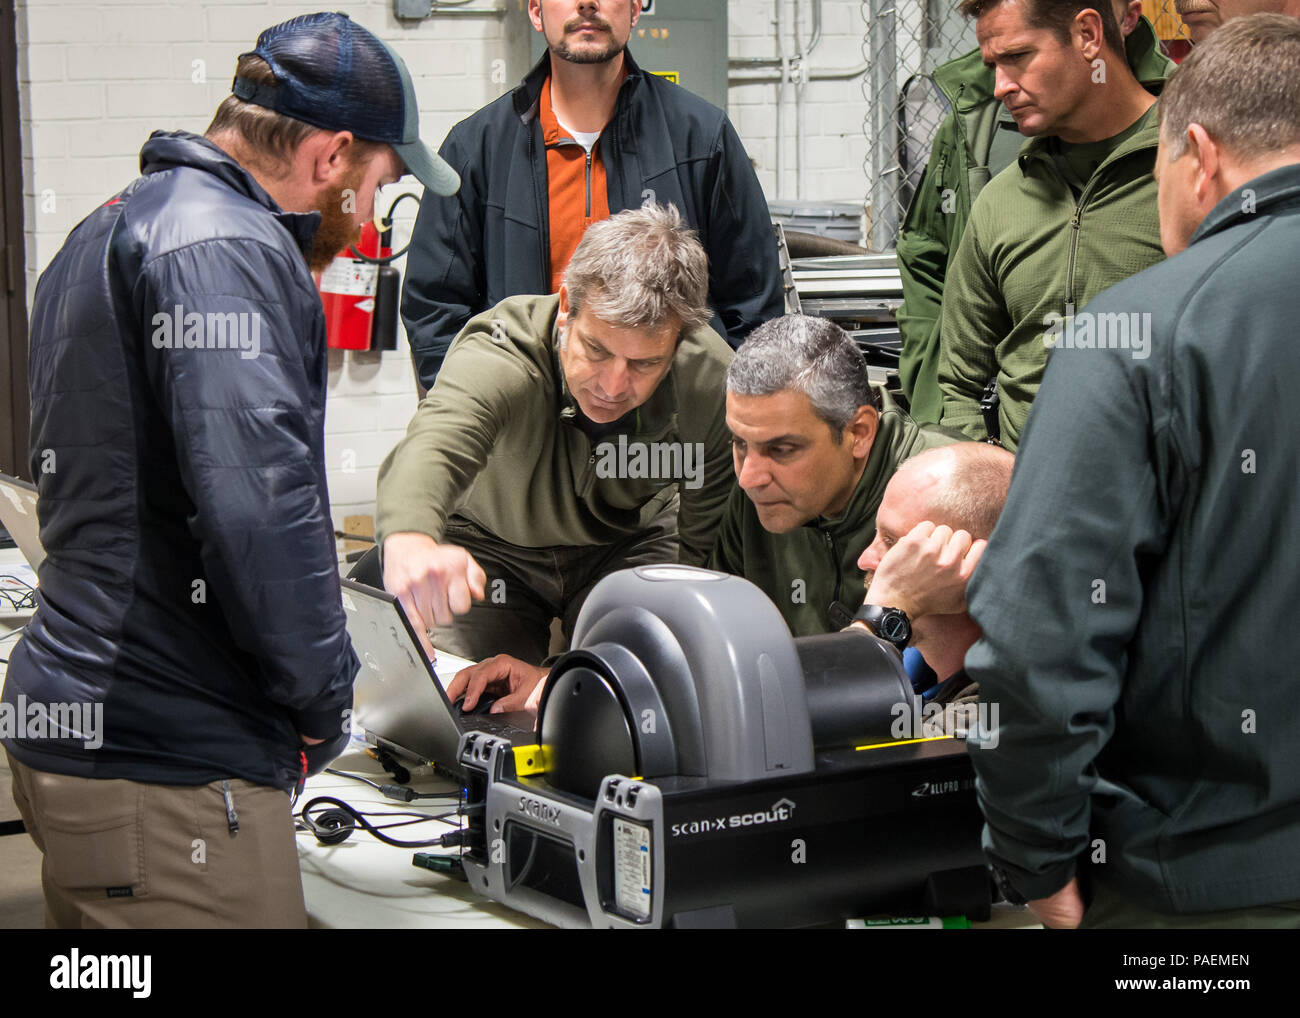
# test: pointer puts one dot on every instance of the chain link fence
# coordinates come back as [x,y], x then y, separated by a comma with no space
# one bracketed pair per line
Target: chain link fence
[904,41]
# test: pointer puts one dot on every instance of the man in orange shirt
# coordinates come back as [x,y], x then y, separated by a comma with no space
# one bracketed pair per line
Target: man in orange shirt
[587,134]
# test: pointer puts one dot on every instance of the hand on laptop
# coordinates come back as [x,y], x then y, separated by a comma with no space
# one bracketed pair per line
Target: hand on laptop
[516,684]
[433,582]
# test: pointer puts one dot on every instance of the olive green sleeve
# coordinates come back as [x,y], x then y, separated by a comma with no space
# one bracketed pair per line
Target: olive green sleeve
[974,321]
[429,473]
[925,246]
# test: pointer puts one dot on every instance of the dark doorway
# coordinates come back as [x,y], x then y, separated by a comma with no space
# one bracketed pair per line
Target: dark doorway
[13,277]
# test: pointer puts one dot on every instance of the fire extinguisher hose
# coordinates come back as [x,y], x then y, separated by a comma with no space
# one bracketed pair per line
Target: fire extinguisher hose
[385,226]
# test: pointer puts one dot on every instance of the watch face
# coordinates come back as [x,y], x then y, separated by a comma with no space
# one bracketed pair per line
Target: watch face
[894,627]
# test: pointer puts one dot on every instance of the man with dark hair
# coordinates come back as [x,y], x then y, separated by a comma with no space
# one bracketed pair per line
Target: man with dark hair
[814,444]
[567,437]
[587,134]
[1130,598]
[1076,213]
[189,607]
[975,142]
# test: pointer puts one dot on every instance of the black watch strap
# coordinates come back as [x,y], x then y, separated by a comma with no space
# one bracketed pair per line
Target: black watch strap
[890,624]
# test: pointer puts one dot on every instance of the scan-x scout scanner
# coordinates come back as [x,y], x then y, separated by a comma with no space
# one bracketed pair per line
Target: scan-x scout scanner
[698,766]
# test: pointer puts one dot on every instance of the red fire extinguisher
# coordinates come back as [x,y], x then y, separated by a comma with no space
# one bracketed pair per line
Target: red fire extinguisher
[347,292]
[359,289]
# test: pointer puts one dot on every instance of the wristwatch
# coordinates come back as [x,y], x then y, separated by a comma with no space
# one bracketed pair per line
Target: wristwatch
[890,624]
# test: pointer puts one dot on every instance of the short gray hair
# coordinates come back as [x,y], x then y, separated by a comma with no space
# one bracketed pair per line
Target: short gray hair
[977,477]
[809,355]
[641,269]
[1242,85]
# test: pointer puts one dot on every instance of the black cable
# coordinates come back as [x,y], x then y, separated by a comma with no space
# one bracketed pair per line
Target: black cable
[28,598]
[375,831]
[417,818]
[398,792]
[354,777]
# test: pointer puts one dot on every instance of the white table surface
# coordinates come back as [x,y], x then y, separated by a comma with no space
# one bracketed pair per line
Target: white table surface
[365,884]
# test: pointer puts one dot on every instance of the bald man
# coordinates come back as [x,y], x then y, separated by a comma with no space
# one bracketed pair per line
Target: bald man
[936,516]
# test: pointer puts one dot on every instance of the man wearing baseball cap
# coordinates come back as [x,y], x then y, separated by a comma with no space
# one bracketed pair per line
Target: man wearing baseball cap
[188,663]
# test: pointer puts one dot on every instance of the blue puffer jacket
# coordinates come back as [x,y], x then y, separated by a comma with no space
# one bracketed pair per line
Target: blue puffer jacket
[178,371]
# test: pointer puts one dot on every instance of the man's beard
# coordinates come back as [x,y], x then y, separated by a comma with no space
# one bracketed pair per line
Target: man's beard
[338,229]
[562,50]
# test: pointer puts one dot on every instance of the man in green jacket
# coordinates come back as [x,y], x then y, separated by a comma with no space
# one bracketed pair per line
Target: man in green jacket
[815,444]
[1135,598]
[975,142]
[1075,215]
[560,439]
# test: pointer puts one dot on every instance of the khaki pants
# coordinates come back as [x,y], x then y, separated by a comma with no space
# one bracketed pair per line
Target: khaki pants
[128,854]
[528,587]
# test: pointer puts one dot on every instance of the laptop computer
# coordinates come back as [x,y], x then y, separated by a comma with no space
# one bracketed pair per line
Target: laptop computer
[18,514]
[399,700]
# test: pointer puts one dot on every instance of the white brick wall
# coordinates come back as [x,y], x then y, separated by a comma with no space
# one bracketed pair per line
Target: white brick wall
[96,77]
[834,110]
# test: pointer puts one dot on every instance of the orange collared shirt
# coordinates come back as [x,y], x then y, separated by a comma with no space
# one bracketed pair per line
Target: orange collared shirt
[577,192]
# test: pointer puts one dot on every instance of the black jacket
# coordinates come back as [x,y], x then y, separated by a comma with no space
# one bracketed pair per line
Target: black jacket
[491,240]
[1136,596]
[190,585]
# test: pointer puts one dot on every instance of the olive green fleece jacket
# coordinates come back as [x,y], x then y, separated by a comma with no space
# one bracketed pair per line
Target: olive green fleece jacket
[975,142]
[1031,255]
[813,566]
[495,441]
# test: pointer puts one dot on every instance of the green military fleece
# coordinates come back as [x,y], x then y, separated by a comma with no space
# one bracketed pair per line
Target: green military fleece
[496,442]
[974,143]
[808,569]
[1033,253]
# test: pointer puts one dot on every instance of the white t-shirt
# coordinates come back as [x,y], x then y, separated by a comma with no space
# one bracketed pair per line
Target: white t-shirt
[587,139]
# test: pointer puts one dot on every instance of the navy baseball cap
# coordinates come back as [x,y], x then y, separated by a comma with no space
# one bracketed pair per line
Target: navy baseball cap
[333,74]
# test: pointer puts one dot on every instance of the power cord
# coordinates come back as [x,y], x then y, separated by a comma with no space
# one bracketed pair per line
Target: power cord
[335,825]
[26,590]
[399,792]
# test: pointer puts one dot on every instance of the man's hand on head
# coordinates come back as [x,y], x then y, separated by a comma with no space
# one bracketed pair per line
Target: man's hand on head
[433,582]
[926,572]
[517,684]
